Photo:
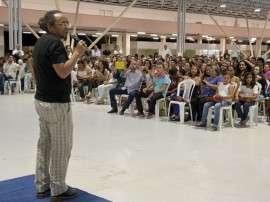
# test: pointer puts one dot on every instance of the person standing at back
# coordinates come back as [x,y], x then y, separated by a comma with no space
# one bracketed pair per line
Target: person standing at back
[51,69]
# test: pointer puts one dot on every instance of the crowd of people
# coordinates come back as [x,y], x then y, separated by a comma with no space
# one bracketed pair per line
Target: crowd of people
[107,74]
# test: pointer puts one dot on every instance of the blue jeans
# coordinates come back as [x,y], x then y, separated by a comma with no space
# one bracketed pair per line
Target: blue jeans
[2,80]
[131,96]
[243,114]
[206,107]
[113,92]
[217,111]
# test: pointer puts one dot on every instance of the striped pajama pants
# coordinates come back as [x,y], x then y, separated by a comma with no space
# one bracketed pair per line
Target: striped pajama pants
[54,146]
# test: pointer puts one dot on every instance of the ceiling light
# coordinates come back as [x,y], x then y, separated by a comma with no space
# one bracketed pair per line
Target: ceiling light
[153,35]
[115,35]
[174,34]
[204,36]
[141,33]
[133,35]
[42,32]
[232,37]
[223,6]
[27,32]
[155,38]
[81,34]
[268,42]
[98,33]
[2,25]
[95,35]
[240,41]
[257,10]
[172,38]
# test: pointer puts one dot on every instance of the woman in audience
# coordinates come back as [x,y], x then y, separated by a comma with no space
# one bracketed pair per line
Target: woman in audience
[223,68]
[194,73]
[187,68]
[247,95]
[175,78]
[210,85]
[223,97]
[84,75]
[259,77]
[159,89]
[241,70]
[106,86]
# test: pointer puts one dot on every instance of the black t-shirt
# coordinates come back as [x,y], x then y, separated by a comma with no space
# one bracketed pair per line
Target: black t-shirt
[50,87]
[107,52]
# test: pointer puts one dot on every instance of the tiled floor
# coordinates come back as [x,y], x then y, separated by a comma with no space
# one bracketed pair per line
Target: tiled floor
[126,159]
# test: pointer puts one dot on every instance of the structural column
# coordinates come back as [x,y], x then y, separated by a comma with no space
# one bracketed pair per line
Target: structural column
[119,41]
[223,45]
[126,44]
[181,27]
[199,41]
[258,47]
[15,23]
[2,44]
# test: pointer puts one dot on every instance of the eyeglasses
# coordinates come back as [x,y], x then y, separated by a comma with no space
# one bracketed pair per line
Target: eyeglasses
[64,24]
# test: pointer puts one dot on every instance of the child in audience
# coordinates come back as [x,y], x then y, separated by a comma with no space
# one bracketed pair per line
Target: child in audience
[247,96]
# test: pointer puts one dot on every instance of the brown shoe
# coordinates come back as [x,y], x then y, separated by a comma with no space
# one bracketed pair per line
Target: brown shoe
[240,123]
[149,115]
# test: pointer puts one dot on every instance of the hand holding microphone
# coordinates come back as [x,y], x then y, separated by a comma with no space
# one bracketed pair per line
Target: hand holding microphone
[81,45]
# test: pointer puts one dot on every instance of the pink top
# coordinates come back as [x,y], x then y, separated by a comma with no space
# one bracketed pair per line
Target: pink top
[267,76]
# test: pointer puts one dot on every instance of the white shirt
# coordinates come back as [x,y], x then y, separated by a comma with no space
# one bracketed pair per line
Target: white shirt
[249,91]
[96,53]
[166,52]
[20,52]
[223,90]
[116,52]
[10,69]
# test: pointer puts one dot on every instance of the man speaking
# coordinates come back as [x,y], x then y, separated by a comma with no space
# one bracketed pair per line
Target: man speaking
[51,68]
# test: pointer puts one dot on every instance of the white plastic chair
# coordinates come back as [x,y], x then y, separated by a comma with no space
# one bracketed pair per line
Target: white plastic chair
[9,83]
[188,91]
[253,110]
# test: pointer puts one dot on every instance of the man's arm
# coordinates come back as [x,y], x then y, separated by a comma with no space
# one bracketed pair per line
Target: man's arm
[64,69]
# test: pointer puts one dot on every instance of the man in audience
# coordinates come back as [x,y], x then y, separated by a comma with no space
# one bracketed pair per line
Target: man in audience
[10,68]
[118,90]
[166,52]
[18,53]
[96,52]
[107,52]
[133,83]
[2,62]
[117,50]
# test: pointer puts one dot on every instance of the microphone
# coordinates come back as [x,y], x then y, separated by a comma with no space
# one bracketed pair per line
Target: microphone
[76,39]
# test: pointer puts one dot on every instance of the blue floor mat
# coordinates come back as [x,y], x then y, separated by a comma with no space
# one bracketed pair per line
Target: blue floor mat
[23,190]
